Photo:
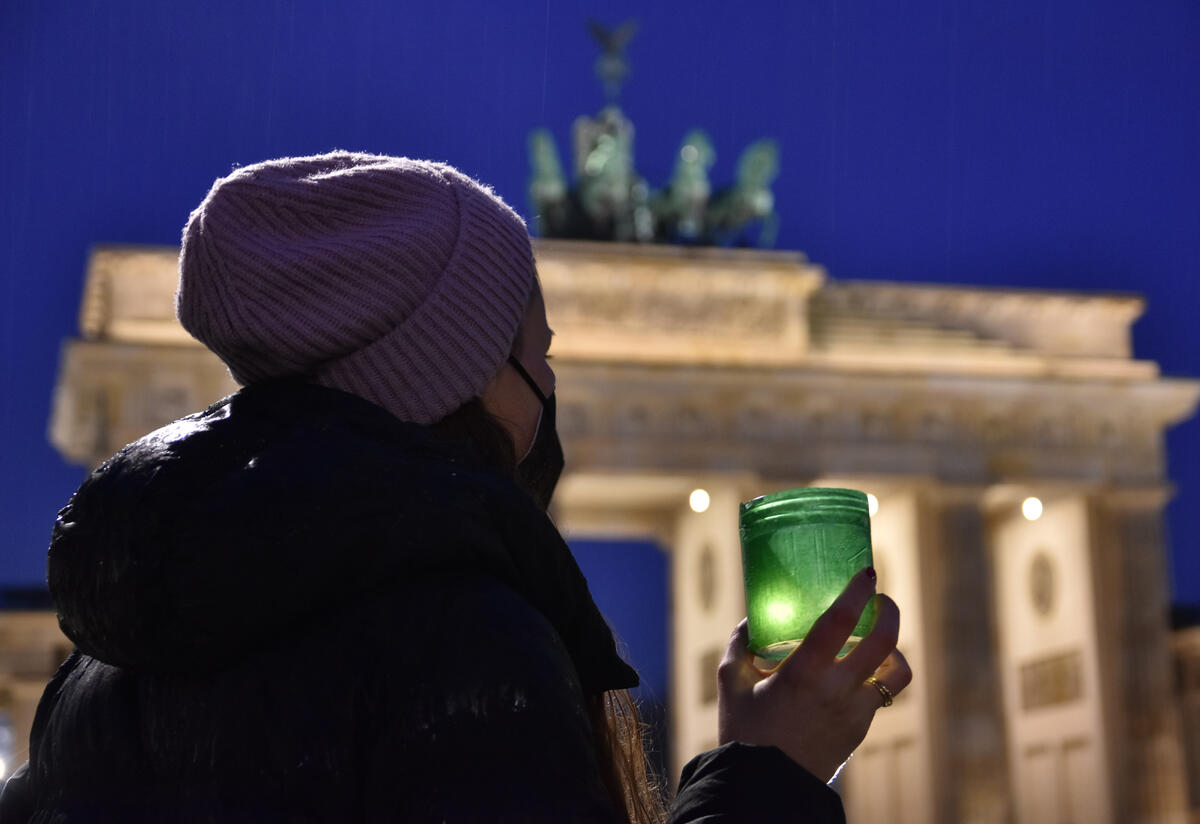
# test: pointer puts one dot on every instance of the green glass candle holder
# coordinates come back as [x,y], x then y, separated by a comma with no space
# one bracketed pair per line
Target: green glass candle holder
[800,548]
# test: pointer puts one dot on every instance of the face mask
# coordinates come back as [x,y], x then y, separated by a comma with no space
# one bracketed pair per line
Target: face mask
[539,470]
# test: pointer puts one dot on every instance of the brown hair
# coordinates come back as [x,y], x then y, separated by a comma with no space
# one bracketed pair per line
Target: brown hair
[618,734]
[472,425]
[619,737]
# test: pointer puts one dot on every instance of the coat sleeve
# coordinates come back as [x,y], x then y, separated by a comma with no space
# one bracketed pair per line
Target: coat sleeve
[479,716]
[739,782]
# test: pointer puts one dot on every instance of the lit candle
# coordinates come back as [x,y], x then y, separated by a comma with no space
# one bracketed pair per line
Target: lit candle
[800,548]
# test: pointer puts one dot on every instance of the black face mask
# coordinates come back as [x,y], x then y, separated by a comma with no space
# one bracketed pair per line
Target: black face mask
[538,472]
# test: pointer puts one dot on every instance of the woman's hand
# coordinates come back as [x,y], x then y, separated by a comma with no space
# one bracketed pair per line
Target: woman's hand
[815,707]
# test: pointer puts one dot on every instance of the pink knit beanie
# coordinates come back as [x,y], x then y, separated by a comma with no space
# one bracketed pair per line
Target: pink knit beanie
[401,281]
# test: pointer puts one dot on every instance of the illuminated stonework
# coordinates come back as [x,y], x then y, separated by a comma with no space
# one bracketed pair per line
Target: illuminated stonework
[31,648]
[746,372]
[1186,648]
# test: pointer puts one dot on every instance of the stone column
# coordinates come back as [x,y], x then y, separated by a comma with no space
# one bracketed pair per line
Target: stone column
[707,601]
[1186,644]
[31,648]
[967,735]
[1148,766]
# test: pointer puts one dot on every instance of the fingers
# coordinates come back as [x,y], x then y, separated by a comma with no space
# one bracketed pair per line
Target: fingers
[874,649]
[828,635]
[895,672]
[890,679]
[737,667]
[739,643]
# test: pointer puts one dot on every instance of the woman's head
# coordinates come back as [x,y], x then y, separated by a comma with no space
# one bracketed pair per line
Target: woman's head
[402,281]
[512,424]
[516,395]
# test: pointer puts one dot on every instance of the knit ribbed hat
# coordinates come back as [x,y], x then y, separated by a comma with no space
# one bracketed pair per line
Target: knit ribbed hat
[401,281]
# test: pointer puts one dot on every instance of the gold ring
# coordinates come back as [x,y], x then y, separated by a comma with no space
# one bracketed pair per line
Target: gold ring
[887,694]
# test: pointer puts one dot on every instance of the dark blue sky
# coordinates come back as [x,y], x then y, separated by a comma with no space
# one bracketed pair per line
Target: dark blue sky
[1048,144]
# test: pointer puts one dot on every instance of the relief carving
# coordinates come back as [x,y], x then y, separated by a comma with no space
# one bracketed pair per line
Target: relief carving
[573,420]
[1090,325]
[634,419]
[1043,584]
[1051,681]
[707,578]
[707,665]
[663,312]
[969,433]
[755,423]
[695,422]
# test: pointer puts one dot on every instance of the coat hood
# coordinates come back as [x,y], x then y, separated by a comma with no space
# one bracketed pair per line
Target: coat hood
[227,529]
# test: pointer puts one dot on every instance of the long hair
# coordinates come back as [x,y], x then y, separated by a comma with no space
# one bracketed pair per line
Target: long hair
[618,734]
[619,737]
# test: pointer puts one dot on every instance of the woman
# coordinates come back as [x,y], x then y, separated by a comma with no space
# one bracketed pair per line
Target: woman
[335,595]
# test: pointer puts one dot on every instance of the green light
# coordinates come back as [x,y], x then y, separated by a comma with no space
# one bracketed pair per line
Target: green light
[780,611]
[799,550]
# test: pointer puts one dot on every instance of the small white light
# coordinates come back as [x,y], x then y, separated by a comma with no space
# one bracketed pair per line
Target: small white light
[699,500]
[872,504]
[1031,508]
[780,611]
[3,769]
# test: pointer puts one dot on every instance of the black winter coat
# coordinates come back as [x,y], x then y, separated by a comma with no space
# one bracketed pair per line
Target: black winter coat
[294,608]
